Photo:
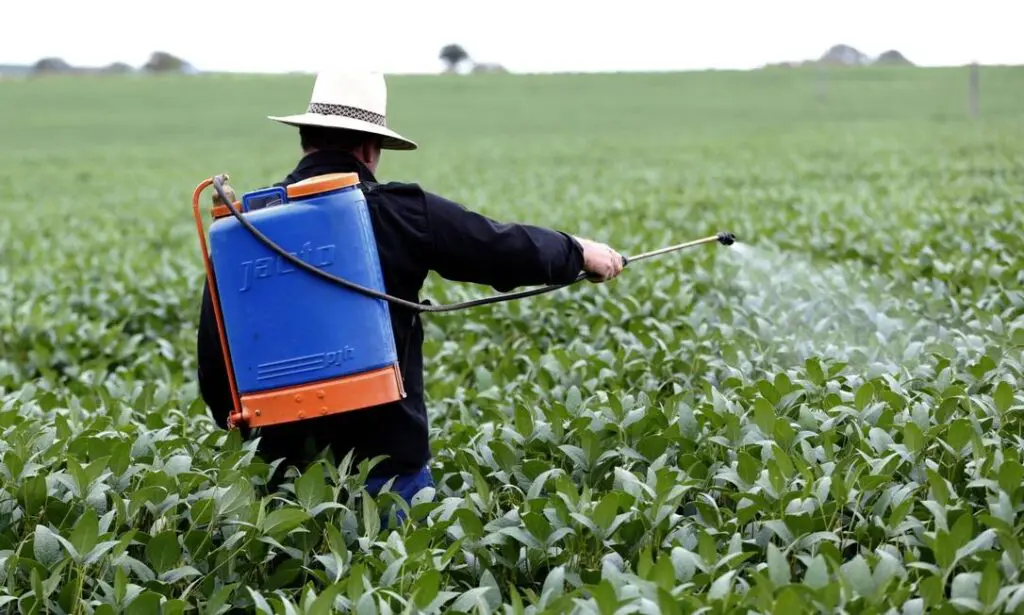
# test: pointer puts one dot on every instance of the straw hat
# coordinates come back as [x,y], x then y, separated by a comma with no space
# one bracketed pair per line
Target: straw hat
[350,100]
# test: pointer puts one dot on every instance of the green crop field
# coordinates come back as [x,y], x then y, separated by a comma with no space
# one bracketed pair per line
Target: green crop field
[826,417]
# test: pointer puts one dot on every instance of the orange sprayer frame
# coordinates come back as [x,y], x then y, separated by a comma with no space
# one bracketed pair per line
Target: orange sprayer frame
[272,407]
[236,414]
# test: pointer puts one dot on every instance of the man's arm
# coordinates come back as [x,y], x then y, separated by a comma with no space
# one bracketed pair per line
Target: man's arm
[469,247]
[212,373]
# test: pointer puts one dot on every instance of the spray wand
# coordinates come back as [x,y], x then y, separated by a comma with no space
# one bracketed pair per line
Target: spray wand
[218,181]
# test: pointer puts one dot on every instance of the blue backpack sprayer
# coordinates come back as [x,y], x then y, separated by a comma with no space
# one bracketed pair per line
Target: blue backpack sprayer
[296,347]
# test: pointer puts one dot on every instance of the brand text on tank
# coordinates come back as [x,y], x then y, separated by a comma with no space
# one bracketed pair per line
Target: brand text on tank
[269,266]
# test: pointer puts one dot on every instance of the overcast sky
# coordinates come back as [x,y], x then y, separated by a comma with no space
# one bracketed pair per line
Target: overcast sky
[524,35]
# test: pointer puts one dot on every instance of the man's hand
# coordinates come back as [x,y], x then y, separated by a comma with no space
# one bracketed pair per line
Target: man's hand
[600,261]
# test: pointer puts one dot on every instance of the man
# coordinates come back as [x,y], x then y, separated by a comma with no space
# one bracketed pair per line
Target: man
[344,130]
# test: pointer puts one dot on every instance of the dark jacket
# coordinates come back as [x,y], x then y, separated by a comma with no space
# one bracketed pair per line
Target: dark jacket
[416,232]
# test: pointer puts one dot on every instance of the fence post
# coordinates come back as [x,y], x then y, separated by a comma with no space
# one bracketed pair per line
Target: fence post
[821,79]
[973,90]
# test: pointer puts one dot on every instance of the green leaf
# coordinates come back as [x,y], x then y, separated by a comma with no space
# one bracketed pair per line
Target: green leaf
[864,395]
[179,574]
[47,547]
[85,532]
[174,607]
[778,568]
[523,420]
[784,433]
[573,399]
[426,587]
[946,409]
[814,371]
[1011,475]
[663,573]
[33,495]
[472,599]
[857,574]
[324,603]
[783,384]
[932,591]
[768,391]
[945,550]
[959,434]
[748,468]
[553,585]
[606,598]
[764,416]
[260,602]
[606,510]
[163,551]
[939,487]
[962,530]
[283,520]
[1003,397]
[991,581]
[470,523]
[356,581]
[309,488]
[913,437]
[722,586]
[146,603]
[789,602]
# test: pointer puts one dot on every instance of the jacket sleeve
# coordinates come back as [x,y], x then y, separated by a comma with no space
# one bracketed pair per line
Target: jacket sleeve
[468,247]
[212,372]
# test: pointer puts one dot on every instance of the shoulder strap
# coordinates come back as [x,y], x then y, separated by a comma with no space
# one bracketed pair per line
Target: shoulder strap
[368,186]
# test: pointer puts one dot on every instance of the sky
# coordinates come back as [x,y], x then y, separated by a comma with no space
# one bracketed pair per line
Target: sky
[405,36]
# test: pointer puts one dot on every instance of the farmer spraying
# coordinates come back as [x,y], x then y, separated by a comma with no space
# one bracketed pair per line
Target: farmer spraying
[343,133]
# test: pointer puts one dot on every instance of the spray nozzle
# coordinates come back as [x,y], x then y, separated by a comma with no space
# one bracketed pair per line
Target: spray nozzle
[726,238]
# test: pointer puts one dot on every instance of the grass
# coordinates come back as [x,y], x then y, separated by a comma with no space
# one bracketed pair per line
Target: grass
[824,418]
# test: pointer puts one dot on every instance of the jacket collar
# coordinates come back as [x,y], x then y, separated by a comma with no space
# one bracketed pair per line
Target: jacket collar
[328,161]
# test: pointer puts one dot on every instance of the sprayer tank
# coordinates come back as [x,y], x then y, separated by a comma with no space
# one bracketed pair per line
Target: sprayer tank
[285,327]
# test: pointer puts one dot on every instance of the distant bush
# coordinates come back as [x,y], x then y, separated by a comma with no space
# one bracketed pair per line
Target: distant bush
[489,67]
[51,65]
[892,58]
[163,62]
[844,55]
[117,68]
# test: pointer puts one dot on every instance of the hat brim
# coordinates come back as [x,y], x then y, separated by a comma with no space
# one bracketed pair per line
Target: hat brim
[389,138]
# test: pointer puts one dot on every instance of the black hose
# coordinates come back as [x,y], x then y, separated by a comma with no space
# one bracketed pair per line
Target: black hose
[412,305]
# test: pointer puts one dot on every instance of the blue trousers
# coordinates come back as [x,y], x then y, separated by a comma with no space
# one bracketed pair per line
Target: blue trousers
[406,486]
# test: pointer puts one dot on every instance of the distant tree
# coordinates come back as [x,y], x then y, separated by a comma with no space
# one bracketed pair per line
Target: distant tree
[163,62]
[117,68]
[453,55]
[777,65]
[844,55]
[892,58]
[51,65]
